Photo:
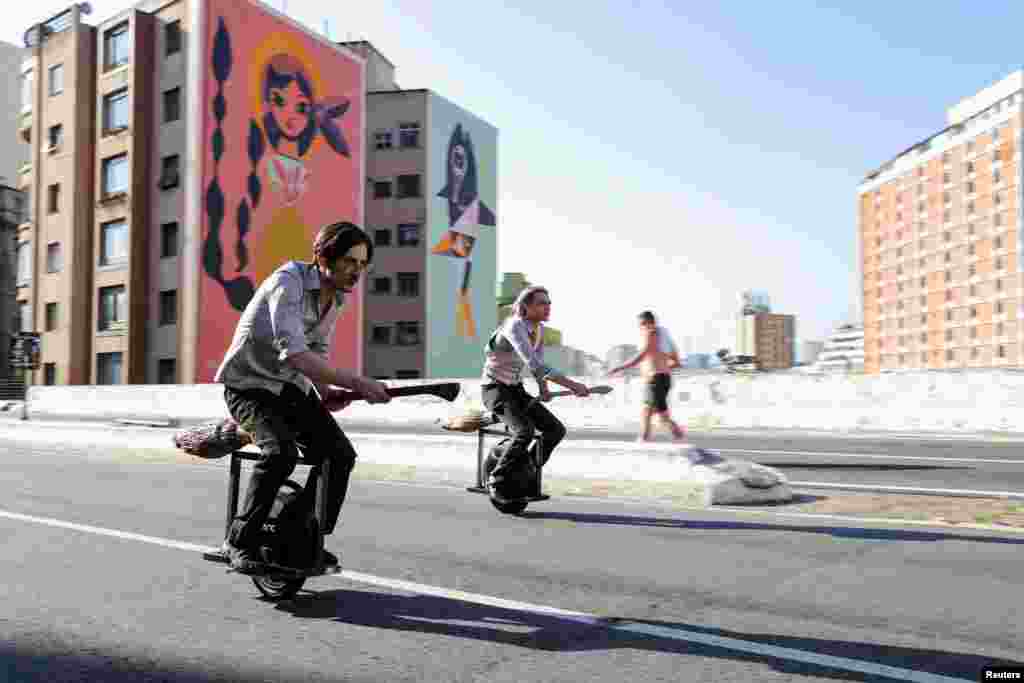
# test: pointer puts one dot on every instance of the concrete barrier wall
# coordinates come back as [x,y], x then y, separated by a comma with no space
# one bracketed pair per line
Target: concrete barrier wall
[954,402]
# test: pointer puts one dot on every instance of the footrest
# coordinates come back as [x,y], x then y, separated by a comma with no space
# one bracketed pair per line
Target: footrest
[216,556]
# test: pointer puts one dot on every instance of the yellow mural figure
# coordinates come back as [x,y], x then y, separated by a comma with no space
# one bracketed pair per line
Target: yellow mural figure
[288,123]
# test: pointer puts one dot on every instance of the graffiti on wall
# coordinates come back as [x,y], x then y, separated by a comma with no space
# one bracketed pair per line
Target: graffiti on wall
[466,214]
[282,115]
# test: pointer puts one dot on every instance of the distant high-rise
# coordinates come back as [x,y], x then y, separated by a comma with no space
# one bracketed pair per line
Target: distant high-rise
[940,242]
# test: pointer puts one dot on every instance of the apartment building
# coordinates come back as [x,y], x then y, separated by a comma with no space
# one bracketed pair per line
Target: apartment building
[432,211]
[769,337]
[162,193]
[940,242]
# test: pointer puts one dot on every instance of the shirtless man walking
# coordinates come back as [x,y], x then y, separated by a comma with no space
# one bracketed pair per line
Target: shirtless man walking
[658,355]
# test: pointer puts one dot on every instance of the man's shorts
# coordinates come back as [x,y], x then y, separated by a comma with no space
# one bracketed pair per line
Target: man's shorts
[656,393]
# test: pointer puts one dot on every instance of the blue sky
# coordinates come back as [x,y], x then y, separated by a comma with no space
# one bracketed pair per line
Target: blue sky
[669,157]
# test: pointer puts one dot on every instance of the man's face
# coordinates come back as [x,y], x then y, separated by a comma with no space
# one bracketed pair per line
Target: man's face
[645,325]
[540,308]
[345,271]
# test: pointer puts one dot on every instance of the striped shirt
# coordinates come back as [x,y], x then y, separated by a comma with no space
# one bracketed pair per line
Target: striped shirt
[517,345]
[281,320]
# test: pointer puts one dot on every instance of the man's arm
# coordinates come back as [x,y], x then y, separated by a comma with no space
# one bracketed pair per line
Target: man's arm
[289,339]
[519,337]
[650,347]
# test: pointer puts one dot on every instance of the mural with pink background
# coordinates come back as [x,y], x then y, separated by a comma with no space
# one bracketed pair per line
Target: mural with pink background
[282,121]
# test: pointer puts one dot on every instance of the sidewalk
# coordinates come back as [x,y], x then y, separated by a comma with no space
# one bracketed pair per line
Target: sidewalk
[584,468]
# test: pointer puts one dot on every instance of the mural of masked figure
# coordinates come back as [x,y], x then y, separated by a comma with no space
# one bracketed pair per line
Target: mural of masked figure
[466,213]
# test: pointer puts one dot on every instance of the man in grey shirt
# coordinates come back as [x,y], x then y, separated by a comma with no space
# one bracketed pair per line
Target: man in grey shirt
[515,347]
[276,377]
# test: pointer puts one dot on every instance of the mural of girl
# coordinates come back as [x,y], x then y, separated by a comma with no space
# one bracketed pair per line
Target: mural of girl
[466,213]
[288,123]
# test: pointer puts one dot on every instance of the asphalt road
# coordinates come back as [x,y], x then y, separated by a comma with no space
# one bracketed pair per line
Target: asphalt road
[908,460]
[101,584]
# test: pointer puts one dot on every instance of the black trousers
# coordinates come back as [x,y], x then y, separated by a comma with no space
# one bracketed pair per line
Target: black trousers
[524,417]
[281,425]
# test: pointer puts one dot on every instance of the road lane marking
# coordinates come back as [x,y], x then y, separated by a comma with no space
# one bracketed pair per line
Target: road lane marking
[636,628]
[881,456]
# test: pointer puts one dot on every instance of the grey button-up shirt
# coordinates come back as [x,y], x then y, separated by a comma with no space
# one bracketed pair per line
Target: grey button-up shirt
[282,319]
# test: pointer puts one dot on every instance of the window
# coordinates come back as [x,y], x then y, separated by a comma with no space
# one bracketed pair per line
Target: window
[408,186]
[950,355]
[974,352]
[51,316]
[996,177]
[999,285]
[54,260]
[172,40]
[970,249]
[113,308]
[408,234]
[25,316]
[53,198]
[115,47]
[169,176]
[924,337]
[408,284]
[949,276]
[56,136]
[49,374]
[949,335]
[167,371]
[948,257]
[24,263]
[382,139]
[169,307]
[407,374]
[172,105]
[382,238]
[999,307]
[108,368]
[999,263]
[115,111]
[947,236]
[999,242]
[1000,330]
[381,334]
[113,242]
[970,187]
[409,135]
[407,333]
[28,83]
[115,175]
[972,271]
[381,285]
[56,79]
[169,240]
[381,189]
[1001,351]
[997,219]
[974,312]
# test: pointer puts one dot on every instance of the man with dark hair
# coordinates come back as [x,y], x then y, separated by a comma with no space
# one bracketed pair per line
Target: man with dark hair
[276,376]
[516,346]
[659,355]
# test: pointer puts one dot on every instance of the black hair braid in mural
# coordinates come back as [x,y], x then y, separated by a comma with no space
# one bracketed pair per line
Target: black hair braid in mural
[240,290]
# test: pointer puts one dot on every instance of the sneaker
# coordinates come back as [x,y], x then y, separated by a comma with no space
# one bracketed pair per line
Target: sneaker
[245,560]
[331,560]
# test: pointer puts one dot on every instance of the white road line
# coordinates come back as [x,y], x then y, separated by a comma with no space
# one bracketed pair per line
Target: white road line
[909,490]
[881,456]
[680,634]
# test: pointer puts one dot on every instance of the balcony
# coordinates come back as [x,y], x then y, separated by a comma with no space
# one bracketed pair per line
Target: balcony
[25,125]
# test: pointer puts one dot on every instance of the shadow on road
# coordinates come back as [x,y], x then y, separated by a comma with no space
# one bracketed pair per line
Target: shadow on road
[866,533]
[436,615]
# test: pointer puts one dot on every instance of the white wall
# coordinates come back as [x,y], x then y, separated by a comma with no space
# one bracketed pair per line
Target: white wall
[13,152]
